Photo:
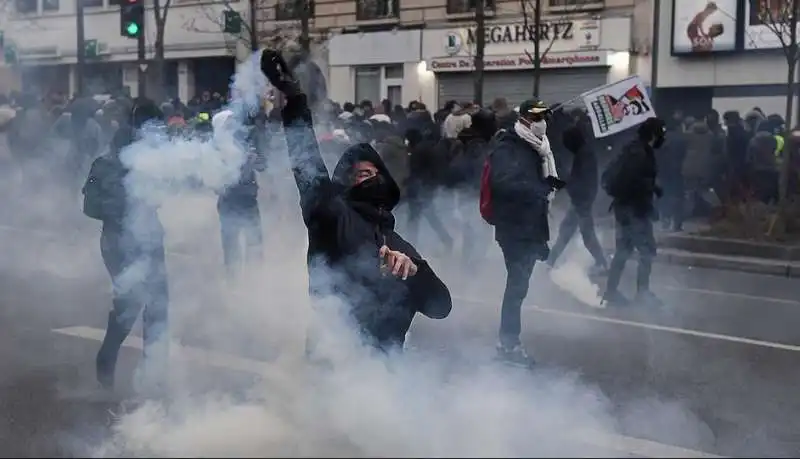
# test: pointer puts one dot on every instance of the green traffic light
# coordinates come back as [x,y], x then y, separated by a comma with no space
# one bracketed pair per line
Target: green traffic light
[132,28]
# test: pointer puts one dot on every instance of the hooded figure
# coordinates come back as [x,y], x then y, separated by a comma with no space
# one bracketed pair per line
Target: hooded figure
[132,247]
[353,251]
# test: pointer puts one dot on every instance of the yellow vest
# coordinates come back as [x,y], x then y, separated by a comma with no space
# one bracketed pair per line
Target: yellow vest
[779,143]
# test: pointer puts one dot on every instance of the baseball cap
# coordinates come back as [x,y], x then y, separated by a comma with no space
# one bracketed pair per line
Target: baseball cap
[533,106]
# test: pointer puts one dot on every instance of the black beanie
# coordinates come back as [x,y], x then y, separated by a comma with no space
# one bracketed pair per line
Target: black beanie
[651,128]
[144,110]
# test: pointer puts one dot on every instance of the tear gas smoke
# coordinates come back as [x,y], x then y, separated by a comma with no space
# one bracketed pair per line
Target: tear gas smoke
[349,401]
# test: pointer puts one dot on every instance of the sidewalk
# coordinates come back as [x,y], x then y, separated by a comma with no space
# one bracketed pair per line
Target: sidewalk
[688,249]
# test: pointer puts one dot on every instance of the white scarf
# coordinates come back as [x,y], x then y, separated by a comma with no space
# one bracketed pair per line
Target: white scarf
[542,147]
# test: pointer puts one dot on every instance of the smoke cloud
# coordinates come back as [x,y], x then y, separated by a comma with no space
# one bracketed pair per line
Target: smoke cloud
[346,400]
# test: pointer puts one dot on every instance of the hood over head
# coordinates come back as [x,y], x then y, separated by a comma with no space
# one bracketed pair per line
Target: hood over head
[342,173]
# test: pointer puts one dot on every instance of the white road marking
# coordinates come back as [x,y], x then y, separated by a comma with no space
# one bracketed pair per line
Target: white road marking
[663,328]
[614,442]
[744,296]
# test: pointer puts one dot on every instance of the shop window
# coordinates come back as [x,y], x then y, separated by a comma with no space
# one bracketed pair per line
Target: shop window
[368,84]
[50,5]
[92,3]
[395,95]
[579,3]
[26,6]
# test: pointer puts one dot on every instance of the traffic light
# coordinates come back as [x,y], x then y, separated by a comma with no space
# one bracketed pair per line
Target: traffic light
[90,48]
[131,18]
[232,22]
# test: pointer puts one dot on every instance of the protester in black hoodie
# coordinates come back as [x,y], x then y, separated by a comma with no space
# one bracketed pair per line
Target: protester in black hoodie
[353,250]
[582,190]
[465,171]
[630,180]
[132,247]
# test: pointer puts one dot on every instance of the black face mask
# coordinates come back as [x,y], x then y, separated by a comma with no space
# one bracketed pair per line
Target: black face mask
[375,191]
[658,142]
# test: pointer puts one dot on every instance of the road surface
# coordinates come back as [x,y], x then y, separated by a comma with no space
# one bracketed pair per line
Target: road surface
[715,371]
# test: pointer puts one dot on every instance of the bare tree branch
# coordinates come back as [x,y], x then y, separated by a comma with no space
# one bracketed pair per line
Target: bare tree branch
[781,21]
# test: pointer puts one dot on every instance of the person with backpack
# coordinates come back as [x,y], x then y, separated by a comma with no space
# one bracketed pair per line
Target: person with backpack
[630,180]
[582,190]
[518,178]
[132,247]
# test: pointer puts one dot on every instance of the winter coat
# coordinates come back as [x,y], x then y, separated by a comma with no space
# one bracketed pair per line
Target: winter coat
[519,193]
[583,177]
[701,160]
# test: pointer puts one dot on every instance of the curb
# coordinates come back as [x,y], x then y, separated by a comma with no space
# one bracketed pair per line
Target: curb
[729,247]
[753,265]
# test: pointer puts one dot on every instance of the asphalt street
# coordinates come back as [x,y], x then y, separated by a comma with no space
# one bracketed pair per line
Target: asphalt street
[714,371]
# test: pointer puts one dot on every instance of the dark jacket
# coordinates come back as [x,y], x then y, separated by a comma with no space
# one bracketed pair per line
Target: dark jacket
[106,197]
[467,166]
[638,173]
[519,193]
[344,238]
[583,178]
[736,146]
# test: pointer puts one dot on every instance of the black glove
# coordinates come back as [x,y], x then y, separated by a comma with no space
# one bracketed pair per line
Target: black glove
[274,67]
[555,182]
[658,191]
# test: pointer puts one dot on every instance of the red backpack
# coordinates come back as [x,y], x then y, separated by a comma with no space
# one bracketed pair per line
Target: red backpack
[486,192]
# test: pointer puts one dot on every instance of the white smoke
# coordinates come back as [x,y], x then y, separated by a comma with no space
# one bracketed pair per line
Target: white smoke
[345,400]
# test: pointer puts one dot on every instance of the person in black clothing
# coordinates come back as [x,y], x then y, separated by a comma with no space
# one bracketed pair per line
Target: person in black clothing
[466,170]
[631,182]
[520,188]
[238,203]
[582,189]
[736,142]
[132,247]
[353,250]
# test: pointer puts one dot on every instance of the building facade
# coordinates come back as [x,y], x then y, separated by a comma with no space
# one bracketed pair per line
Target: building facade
[740,68]
[428,52]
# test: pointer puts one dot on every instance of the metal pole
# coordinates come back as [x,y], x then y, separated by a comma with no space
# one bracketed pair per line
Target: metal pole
[142,61]
[253,24]
[654,52]
[80,67]
[480,48]
[305,39]
[537,59]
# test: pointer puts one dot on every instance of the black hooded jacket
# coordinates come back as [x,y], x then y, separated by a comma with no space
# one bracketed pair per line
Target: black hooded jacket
[344,238]
[583,179]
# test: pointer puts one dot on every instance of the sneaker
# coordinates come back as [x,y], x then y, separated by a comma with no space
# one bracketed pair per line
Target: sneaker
[647,298]
[515,355]
[614,298]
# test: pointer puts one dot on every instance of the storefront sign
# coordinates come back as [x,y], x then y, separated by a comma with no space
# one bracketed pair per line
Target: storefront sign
[562,34]
[521,62]
[700,27]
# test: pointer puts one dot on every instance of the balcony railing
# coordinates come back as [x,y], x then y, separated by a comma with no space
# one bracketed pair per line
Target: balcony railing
[467,6]
[371,10]
[294,10]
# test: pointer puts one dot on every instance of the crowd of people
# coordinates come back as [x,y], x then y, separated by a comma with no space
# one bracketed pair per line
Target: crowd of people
[498,167]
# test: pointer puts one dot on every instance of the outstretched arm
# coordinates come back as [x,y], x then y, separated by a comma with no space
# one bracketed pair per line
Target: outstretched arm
[310,174]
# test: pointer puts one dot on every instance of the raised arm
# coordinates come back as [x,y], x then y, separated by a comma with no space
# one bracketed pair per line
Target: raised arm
[310,174]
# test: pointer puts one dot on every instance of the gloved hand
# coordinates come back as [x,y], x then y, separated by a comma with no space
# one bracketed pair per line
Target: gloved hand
[274,67]
[555,182]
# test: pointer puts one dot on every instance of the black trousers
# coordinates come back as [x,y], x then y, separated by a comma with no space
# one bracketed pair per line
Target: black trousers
[139,281]
[578,217]
[633,232]
[237,219]
[520,258]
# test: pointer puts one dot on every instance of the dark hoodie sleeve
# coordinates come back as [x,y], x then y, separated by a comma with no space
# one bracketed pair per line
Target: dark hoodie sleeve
[426,292]
[310,174]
